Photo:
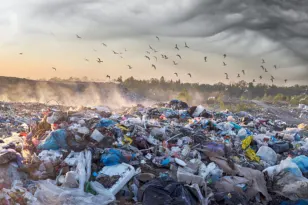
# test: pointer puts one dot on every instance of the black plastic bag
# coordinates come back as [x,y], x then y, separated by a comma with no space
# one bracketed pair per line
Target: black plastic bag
[165,191]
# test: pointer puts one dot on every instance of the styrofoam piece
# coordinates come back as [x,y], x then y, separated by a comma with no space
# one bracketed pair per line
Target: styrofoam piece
[97,136]
[83,130]
[126,172]
[180,162]
[198,111]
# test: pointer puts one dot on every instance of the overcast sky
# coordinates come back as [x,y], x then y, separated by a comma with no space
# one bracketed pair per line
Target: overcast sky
[246,30]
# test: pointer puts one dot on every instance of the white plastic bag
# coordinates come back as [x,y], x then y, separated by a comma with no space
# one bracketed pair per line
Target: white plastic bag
[49,193]
[289,166]
[267,154]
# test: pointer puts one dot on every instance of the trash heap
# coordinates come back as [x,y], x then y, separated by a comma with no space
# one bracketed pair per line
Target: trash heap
[169,153]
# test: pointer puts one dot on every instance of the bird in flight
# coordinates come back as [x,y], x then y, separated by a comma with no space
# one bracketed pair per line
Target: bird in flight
[157,38]
[243,72]
[20,53]
[99,60]
[275,66]
[86,59]
[150,47]
[155,51]
[104,44]
[154,66]
[272,80]
[260,77]
[205,58]
[253,80]
[225,55]
[129,67]
[78,36]
[262,67]
[121,56]
[189,74]
[174,63]
[265,70]
[272,77]
[148,52]
[108,76]
[286,80]
[155,58]
[147,57]
[186,46]
[224,64]
[263,61]
[94,50]
[54,68]
[114,52]
[179,56]
[125,49]
[162,55]
[166,57]
[176,46]
[238,75]
[176,74]
[227,76]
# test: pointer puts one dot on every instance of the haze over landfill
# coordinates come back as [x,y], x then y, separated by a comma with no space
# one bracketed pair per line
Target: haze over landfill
[37,36]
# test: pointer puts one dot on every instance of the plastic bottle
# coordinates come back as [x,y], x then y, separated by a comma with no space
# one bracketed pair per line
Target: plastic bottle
[185,151]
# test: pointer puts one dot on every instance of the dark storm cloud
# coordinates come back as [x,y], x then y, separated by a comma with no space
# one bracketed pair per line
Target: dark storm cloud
[282,22]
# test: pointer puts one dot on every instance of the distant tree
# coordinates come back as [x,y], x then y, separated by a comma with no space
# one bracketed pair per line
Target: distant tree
[120,80]
[85,78]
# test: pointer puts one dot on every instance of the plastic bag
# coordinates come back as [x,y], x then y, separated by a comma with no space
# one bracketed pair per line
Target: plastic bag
[250,154]
[54,141]
[114,157]
[163,191]
[242,133]
[104,122]
[302,162]
[267,154]
[289,166]
[48,193]
[211,173]
[246,142]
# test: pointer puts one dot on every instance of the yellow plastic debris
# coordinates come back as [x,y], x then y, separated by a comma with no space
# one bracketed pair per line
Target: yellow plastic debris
[246,142]
[303,126]
[122,127]
[127,140]
[250,154]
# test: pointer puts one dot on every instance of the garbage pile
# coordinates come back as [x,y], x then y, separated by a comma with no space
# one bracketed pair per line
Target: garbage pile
[170,153]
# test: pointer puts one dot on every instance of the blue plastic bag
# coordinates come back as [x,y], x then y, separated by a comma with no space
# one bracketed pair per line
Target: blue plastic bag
[104,122]
[114,157]
[302,162]
[54,141]
[299,202]
[170,113]
[236,126]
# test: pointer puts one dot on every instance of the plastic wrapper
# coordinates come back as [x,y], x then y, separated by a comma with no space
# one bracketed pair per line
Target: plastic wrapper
[49,193]
[54,141]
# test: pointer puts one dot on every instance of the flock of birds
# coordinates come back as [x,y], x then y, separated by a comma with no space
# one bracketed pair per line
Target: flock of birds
[163,56]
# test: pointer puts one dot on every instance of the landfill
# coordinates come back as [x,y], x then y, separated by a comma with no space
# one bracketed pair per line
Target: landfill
[168,153]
